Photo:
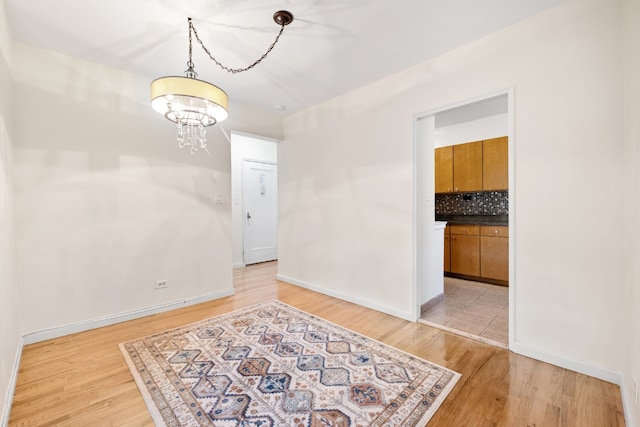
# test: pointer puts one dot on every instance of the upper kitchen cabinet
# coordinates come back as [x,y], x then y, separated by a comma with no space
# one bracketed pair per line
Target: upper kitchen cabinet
[467,167]
[473,166]
[495,161]
[458,168]
[444,169]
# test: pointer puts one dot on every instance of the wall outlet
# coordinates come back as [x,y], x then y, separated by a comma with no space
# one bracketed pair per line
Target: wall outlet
[161,284]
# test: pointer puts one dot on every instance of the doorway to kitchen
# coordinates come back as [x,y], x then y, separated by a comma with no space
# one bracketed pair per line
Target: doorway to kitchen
[463,269]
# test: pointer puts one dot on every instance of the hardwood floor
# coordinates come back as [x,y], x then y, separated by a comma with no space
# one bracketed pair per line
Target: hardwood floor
[82,379]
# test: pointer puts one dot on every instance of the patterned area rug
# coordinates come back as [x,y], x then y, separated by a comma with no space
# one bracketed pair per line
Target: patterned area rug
[274,365]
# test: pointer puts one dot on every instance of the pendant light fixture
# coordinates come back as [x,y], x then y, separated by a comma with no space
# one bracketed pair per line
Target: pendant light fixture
[195,104]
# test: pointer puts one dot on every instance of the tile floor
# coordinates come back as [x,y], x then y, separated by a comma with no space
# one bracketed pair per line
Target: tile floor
[476,309]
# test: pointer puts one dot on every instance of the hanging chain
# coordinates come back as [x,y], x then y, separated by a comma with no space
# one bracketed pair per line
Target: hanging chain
[224,67]
[190,63]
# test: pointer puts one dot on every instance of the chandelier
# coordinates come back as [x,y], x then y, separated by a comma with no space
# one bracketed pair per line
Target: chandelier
[195,104]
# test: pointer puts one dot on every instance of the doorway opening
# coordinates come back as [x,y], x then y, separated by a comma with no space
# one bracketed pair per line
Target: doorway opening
[259,211]
[254,187]
[467,303]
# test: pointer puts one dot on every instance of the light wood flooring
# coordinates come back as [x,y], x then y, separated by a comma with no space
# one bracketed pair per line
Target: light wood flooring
[82,379]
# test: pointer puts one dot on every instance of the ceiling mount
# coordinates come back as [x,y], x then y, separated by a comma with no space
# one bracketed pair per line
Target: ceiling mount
[283,17]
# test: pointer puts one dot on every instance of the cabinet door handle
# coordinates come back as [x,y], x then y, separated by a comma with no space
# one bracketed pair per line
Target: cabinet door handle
[495,231]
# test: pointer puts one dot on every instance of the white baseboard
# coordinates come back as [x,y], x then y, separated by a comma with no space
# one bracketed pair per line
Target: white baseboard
[582,367]
[602,373]
[239,265]
[627,406]
[72,328]
[13,379]
[346,297]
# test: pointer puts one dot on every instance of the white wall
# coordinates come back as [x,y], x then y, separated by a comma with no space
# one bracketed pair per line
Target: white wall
[345,200]
[245,147]
[346,181]
[631,82]
[429,239]
[10,332]
[106,203]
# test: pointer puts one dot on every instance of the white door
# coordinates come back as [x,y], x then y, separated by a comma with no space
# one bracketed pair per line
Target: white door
[260,211]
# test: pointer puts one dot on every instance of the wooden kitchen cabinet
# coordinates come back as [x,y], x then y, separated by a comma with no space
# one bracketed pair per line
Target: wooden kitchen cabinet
[467,167]
[447,248]
[465,249]
[474,166]
[458,168]
[494,252]
[495,164]
[444,169]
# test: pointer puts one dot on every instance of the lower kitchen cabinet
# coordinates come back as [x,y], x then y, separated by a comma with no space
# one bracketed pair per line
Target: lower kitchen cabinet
[494,252]
[465,249]
[477,252]
[447,249]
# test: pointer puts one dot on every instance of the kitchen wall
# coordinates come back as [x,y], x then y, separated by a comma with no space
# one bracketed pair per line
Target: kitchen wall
[631,294]
[473,203]
[346,186]
[106,204]
[10,329]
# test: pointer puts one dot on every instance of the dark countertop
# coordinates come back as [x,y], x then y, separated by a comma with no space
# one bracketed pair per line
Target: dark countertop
[475,219]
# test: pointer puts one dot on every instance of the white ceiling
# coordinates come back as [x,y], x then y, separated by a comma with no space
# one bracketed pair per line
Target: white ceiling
[473,111]
[332,47]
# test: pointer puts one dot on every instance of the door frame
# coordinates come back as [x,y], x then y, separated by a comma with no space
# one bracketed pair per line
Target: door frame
[245,146]
[424,199]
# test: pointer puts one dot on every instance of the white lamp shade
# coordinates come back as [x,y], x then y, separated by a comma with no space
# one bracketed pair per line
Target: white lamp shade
[188,100]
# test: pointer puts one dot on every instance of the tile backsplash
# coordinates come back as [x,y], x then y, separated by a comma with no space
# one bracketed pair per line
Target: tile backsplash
[477,203]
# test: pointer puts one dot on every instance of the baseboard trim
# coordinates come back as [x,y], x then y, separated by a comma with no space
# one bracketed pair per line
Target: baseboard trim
[238,265]
[346,297]
[605,374]
[428,305]
[589,369]
[72,328]
[627,405]
[11,389]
